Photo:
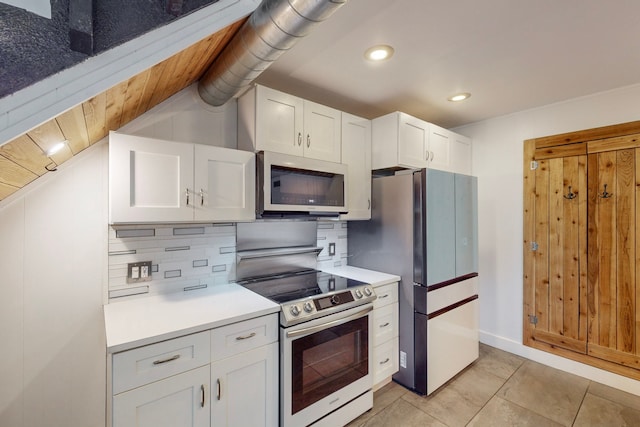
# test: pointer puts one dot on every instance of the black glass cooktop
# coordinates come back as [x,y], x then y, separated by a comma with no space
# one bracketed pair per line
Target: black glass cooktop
[298,285]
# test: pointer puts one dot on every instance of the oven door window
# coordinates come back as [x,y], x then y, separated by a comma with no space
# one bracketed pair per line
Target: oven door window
[327,361]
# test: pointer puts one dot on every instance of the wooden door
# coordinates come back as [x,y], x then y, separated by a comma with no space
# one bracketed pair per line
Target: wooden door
[560,259]
[612,289]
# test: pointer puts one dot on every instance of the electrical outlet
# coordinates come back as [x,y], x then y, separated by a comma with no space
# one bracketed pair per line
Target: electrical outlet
[332,249]
[139,272]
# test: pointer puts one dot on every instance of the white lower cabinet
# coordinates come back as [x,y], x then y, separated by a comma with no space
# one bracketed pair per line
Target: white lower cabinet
[245,389]
[236,383]
[385,334]
[177,401]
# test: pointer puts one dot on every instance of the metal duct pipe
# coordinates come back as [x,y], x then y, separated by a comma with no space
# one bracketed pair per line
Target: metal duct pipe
[273,28]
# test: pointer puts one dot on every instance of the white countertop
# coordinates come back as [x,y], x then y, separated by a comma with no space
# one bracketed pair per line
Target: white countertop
[136,322]
[375,278]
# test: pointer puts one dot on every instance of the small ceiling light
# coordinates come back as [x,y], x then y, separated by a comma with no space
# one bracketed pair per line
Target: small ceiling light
[56,147]
[379,52]
[459,97]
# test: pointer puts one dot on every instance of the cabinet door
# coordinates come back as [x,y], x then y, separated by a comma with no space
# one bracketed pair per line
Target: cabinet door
[177,401]
[245,389]
[322,132]
[279,122]
[356,154]
[460,154]
[224,184]
[439,143]
[149,179]
[561,254]
[413,135]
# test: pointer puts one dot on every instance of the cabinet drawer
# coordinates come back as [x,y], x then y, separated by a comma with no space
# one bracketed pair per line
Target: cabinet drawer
[150,363]
[386,294]
[243,336]
[385,323]
[385,360]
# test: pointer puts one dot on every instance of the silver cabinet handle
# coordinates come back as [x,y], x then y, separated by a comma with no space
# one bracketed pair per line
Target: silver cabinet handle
[201,197]
[384,361]
[369,204]
[384,325]
[308,140]
[202,396]
[299,139]
[187,193]
[219,389]
[432,156]
[246,337]
[170,359]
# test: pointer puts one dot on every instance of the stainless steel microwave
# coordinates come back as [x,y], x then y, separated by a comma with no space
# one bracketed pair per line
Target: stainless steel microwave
[292,185]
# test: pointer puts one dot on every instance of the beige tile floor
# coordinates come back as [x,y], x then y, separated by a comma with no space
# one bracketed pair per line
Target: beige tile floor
[501,389]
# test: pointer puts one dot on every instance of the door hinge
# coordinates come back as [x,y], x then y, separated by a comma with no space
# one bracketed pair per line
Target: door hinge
[534,165]
[534,246]
[533,319]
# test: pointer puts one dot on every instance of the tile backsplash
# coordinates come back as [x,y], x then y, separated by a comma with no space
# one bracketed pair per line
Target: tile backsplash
[185,257]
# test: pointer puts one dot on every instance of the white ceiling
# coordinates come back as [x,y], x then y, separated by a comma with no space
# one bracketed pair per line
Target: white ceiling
[511,55]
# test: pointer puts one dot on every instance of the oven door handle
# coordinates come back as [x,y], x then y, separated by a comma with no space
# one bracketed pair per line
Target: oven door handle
[312,329]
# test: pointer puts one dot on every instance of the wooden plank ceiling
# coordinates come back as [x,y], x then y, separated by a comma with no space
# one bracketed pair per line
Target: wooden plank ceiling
[24,159]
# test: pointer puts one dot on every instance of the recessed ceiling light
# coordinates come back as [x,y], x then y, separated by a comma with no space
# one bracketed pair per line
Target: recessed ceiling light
[55,148]
[379,52]
[459,97]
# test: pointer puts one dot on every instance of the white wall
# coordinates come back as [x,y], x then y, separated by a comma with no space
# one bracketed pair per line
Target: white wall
[498,162]
[53,238]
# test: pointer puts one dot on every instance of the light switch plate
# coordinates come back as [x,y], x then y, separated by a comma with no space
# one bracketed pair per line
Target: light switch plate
[139,272]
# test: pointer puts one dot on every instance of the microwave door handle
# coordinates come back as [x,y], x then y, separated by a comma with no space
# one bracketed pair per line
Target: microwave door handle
[313,329]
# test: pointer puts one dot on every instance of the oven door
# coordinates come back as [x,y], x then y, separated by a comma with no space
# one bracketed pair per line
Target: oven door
[325,364]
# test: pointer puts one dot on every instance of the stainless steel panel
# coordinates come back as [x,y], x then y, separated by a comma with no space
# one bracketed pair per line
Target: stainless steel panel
[275,234]
[385,243]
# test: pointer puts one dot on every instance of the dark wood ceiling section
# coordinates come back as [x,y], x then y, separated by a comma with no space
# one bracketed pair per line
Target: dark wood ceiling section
[24,158]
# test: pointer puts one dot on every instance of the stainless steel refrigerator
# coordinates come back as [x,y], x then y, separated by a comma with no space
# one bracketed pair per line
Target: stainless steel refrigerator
[423,228]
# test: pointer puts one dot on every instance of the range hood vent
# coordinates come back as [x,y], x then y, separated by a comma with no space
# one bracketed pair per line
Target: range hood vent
[273,28]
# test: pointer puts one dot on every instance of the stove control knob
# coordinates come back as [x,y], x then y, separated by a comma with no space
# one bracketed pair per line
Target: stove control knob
[358,293]
[368,292]
[335,299]
[308,307]
[295,310]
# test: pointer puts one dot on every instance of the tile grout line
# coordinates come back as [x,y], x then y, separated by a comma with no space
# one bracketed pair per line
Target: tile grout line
[496,392]
[581,403]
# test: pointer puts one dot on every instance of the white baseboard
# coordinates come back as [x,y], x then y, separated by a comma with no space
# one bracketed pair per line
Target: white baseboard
[589,372]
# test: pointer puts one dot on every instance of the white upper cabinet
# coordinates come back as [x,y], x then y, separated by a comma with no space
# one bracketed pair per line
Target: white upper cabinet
[356,154]
[401,140]
[224,182]
[271,120]
[439,148]
[152,180]
[461,154]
